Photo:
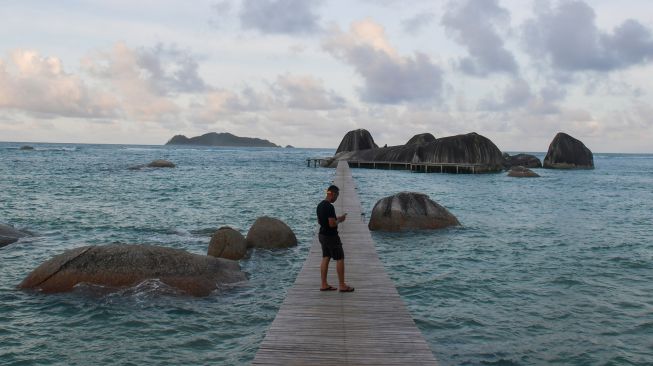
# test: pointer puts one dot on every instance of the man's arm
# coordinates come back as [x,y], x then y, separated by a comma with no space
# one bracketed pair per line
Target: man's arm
[333,221]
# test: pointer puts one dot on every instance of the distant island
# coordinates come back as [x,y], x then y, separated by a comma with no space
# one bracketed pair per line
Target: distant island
[220,139]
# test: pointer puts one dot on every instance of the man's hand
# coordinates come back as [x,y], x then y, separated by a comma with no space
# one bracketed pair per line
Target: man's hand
[343,217]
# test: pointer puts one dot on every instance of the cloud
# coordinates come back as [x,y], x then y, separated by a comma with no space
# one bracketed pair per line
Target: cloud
[165,69]
[416,23]
[170,69]
[120,83]
[389,78]
[213,106]
[549,99]
[474,24]
[222,11]
[280,16]
[306,92]
[568,38]
[517,94]
[137,79]
[39,85]
[288,92]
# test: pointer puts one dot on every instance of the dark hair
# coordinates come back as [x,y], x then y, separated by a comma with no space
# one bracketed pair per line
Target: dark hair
[333,188]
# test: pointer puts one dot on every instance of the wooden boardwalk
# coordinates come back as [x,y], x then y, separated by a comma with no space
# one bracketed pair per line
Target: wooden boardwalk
[370,326]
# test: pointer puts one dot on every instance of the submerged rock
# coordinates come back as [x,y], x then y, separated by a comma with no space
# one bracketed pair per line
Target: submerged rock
[227,243]
[26,147]
[270,233]
[6,240]
[522,172]
[409,211]
[422,138]
[356,140]
[9,234]
[120,266]
[566,152]
[524,160]
[160,163]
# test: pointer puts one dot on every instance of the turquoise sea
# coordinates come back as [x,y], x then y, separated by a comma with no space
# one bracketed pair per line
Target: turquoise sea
[553,270]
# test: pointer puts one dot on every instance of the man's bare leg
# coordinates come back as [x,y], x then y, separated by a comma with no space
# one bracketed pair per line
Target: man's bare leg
[340,269]
[324,269]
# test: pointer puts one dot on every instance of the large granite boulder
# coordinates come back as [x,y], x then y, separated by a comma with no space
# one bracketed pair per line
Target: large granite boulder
[227,243]
[119,266]
[524,160]
[470,148]
[9,234]
[522,172]
[270,233]
[566,152]
[356,140]
[421,138]
[409,211]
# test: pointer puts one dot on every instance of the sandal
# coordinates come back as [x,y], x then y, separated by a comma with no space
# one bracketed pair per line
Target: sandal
[348,289]
[330,288]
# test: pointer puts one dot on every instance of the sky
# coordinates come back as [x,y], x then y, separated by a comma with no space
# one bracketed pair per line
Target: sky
[304,72]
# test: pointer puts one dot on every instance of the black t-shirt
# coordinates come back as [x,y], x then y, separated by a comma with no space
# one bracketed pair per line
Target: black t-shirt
[325,210]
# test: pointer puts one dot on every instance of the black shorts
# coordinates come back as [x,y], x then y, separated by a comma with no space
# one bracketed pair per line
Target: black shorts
[332,247]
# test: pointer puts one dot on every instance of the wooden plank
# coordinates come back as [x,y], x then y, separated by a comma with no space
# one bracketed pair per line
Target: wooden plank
[370,326]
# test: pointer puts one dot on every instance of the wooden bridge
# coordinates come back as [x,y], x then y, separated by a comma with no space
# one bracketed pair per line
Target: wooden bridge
[370,326]
[423,167]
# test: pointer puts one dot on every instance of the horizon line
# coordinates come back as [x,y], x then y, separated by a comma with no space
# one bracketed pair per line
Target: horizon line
[278,146]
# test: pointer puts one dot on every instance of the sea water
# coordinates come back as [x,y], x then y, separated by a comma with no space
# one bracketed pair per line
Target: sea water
[552,270]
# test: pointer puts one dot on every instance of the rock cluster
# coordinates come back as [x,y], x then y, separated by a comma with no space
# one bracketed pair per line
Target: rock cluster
[565,152]
[119,266]
[470,148]
[409,211]
[266,233]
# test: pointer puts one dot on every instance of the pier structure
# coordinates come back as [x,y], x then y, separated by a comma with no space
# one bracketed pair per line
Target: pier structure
[370,326]
[315,161]
[457,168]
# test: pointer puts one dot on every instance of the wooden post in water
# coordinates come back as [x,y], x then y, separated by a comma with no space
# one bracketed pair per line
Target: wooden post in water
[370,326]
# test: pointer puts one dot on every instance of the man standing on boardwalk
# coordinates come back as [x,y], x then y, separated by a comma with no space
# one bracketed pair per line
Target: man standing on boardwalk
[330,240]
